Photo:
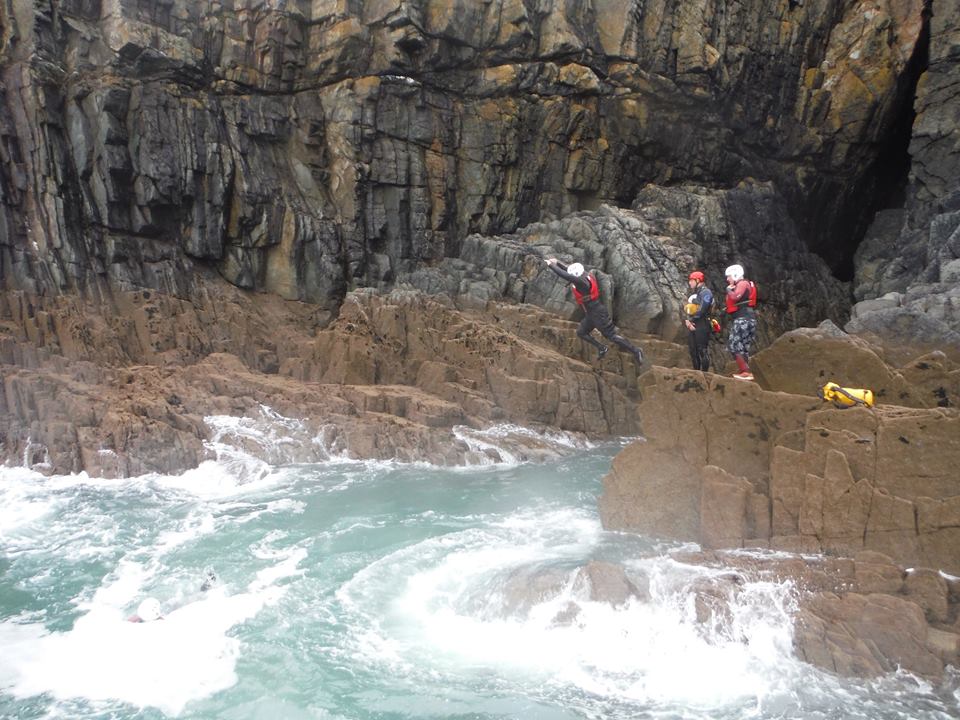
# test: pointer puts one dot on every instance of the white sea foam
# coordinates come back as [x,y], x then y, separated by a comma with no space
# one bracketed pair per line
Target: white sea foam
[419,596]
[22,503]
[643,651]
[250,448]
[187,655]
[507,444]
[220,480]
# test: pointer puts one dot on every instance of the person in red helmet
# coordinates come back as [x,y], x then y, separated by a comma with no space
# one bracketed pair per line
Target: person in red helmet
[586,291]
[697,320]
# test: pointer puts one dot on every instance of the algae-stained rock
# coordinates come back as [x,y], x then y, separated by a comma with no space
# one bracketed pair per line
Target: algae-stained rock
[909,256]
[306,147]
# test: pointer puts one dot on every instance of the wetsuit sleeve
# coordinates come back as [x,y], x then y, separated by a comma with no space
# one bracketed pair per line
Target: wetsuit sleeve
[706,299]
[581,283]
[561,270]
[740,292]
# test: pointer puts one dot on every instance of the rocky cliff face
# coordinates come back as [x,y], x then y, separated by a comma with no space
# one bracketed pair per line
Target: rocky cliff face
[330,215]
[908,267]
[300,147]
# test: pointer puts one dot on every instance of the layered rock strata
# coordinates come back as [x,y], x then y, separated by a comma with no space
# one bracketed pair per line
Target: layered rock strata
[865,501]
[908,266]
[642,258]
[299,148]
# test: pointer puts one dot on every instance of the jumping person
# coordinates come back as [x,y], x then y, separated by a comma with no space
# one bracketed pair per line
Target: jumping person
[586,291]
[698,320]
[741,299]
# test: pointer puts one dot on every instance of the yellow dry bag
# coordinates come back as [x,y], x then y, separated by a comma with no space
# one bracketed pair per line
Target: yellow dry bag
[846,397]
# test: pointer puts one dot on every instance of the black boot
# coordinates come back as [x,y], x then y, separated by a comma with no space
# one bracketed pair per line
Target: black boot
[601,348]
[626,345]
[602,351]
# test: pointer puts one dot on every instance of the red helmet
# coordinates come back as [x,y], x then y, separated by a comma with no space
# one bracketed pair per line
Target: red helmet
[698,276]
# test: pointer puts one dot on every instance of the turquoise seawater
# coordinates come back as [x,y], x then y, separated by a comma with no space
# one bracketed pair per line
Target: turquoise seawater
[364,590]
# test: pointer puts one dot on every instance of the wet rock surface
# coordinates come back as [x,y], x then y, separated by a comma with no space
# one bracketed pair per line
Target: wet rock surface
[860,616]
[193,192]
[390,378]
[866,498]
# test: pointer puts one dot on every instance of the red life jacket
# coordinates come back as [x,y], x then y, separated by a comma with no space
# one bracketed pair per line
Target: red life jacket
[749,300]
[594,291]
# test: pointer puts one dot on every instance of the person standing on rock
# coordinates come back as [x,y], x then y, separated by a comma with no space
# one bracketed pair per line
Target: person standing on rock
[697,320]
[741,299]
[586,291]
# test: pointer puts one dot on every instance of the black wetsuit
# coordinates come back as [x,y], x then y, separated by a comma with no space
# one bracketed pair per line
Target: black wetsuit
[698,339]
[595,316]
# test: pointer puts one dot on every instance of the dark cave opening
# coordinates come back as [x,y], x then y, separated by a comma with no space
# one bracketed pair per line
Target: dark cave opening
[884,184]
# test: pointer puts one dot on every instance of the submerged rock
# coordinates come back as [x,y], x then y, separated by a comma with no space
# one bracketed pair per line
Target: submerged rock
[607,582]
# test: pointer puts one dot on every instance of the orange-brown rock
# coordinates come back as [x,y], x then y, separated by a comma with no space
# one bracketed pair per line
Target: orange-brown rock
[692,420]
[861,616]
[803,360]
[726,464]
[125,388]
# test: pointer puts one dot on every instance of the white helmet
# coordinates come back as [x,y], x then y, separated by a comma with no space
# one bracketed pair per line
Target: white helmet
[735,272]
[576,269]
[149,610]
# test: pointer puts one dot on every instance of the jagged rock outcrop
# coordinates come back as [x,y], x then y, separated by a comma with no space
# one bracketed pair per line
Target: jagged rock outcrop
[301,148]
[642,258]
[748,224]
[128,393]
[737,466]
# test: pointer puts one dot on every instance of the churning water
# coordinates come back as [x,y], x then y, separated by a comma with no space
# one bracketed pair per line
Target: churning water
[363,590]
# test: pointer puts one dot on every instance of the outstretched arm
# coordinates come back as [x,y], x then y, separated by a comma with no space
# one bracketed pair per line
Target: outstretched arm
[560,269]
